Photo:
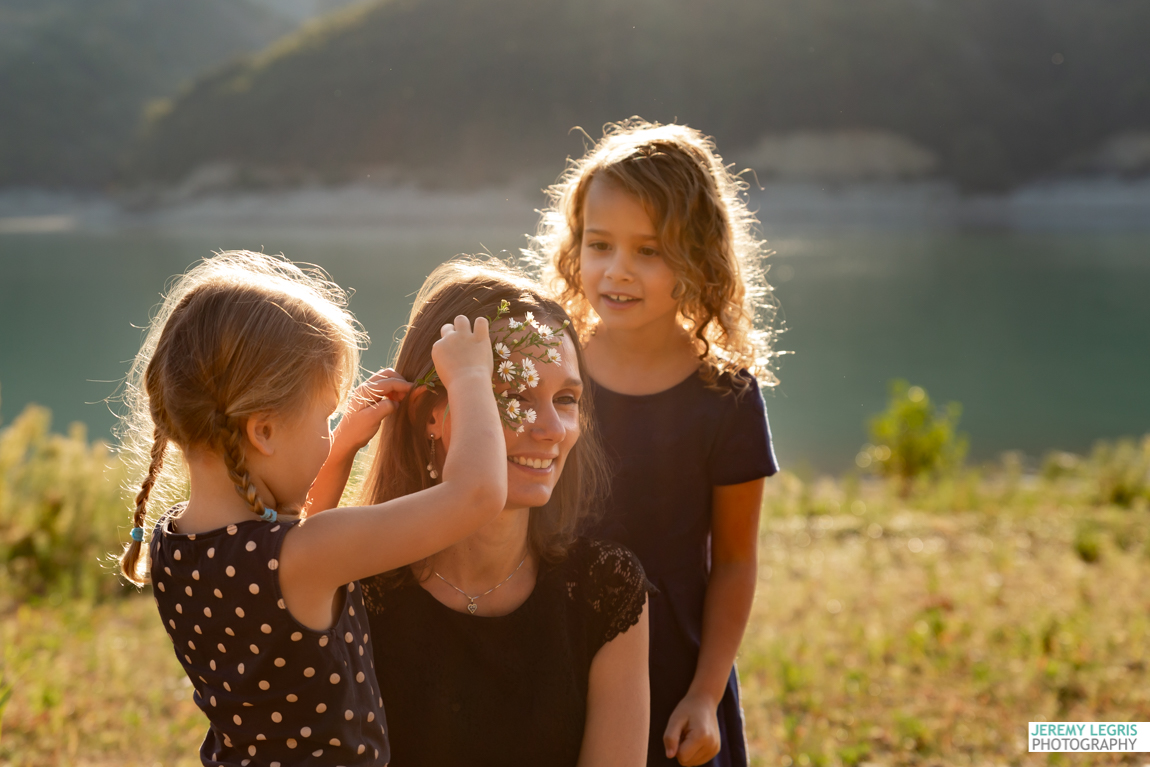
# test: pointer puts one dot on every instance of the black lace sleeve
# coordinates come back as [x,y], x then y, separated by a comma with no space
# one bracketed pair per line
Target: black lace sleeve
[615,590]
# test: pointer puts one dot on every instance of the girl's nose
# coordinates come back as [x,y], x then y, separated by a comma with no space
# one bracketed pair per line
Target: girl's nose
[619,266]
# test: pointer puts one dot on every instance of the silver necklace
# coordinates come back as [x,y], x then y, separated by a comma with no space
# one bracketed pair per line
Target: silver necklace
[471,606]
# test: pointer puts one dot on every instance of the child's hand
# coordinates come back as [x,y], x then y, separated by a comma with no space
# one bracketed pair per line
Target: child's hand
[463,352]
[371,402]
[692,734]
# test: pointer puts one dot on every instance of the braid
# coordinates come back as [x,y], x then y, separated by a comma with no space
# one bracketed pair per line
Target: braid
[130,560]
[229,427]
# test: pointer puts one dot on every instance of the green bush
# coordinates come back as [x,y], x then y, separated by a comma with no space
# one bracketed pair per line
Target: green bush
[1122,470]
[911,438]
[60,508]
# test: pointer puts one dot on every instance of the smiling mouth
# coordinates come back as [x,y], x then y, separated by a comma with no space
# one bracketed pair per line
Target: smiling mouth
[619,298]
[531,463]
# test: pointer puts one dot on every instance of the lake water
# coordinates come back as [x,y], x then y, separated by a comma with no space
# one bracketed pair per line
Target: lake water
[1043,337]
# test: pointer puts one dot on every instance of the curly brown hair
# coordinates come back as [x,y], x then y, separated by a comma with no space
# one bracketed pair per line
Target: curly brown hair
[707,235]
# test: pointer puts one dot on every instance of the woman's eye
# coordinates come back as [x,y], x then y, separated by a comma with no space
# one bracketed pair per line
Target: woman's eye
[567,399]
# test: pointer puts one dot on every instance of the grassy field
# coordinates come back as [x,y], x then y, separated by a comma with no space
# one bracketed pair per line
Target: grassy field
[920,622]
[888,630]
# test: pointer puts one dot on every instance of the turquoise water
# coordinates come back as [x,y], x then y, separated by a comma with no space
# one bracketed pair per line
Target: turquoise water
[1044,339]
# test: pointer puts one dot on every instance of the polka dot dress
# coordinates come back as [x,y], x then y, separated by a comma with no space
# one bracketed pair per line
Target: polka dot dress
[275,692]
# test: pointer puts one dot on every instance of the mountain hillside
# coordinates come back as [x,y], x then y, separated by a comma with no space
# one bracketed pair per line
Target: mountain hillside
[469,91]
[75,75]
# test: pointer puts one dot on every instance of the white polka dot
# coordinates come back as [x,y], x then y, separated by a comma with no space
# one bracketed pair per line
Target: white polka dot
[273,564]
[237,719]
[211,552]
[274,764]
[371,716]
[377,753]
[361,650]
[296,636]
[188,658]
[351,611]
[179,608]
[249,705]
[212,700]
[230,571]
[333,742]
[254,588]
[365,638]
[227,741]
[351,587]
[227,687]
[334,679]
[255,650]
[240,611]
[176,555]
[198,629]
[191,536]
[188,590]
[160,586]
[212,665]
[232,529]
[219,594]
[195,575]
[251,750]
[348,715]
[208,611]
[361,749]
[266,628]
[280,604]
[309,672]
[240,668]
[280,662]
[228,631]
[277,717]
[305,731]
[317,752]
[261,736]
[381,701]
[168,570]
[348,637]
[250,546]
[275,529]
[264,684]
[171,623]
[323,641]
[191,644]
[221,647]
[291,743]
[359,677]
[292,697]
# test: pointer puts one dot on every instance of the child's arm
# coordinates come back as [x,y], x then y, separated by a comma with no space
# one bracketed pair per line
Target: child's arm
[369,404]
[343,545]
[692,734]
[618,702]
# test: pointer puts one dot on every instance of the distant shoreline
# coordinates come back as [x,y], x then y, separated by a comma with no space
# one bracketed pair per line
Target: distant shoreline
[1060,205]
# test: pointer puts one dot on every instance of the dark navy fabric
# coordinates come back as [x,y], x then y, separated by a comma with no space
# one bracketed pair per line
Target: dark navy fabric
[666,452]
[275,692]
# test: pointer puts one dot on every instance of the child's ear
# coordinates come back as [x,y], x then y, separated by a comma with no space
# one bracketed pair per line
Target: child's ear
[260,429]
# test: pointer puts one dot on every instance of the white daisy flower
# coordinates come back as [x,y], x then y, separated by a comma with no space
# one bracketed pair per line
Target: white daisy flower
[545,331]
[553,355]
[531,378]
[522,388]
[514,324]
[529,318]
[513,409]
[502,350]
[529,416]
[520,429]
[528,365]
[506,370]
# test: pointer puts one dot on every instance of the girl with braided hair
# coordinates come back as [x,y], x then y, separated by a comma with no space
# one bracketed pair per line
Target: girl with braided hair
[244,364]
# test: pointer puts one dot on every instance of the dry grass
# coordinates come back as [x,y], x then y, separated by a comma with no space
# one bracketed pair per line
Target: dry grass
[888,630]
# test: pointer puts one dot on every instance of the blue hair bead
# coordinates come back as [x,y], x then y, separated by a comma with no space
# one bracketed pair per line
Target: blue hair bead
[269,515]
[138,534]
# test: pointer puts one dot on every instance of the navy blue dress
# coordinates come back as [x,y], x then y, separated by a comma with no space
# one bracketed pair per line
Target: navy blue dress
[666,452]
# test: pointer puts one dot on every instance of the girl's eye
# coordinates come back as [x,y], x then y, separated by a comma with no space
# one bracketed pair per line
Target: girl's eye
[648,252]
[599,245]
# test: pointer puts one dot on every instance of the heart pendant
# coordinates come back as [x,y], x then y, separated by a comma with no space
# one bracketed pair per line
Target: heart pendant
[471,608]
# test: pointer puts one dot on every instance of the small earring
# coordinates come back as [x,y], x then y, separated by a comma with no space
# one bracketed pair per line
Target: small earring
[431,464]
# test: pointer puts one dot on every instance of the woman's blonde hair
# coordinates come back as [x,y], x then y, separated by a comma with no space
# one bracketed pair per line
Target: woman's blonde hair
[706,235]
[238,334]
[475,287]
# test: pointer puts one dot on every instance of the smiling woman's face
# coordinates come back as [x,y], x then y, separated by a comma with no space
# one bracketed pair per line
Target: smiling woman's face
[536,455]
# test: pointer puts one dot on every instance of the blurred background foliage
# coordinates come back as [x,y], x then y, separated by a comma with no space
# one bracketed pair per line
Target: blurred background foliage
[468,92]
